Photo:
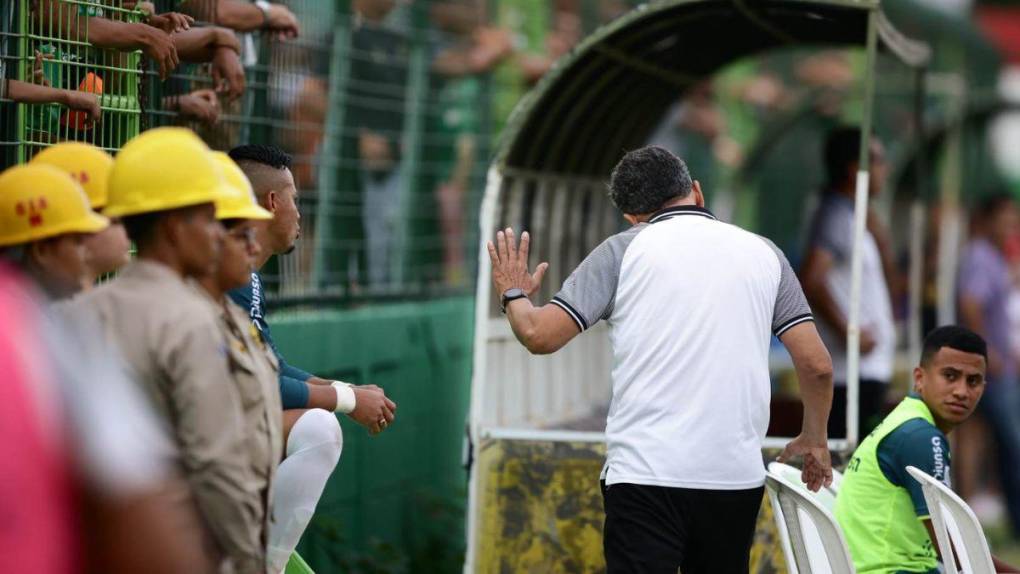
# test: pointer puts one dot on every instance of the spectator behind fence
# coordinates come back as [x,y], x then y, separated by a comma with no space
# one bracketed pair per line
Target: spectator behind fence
[41,92]
[378,82]
[76,22]
[241,16]
[826,277]
[695,128]
[984,287]
[467,50]
[168,38]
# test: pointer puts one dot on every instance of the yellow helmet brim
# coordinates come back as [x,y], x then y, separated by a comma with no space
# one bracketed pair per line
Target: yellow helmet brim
[243,212]
[157,204]
[90,223]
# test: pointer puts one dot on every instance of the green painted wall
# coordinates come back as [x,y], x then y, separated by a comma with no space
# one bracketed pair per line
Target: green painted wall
[396,502]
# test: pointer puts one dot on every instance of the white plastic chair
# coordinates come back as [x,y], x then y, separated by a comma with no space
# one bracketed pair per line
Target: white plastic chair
[955,525]
[825,495]
[812,540]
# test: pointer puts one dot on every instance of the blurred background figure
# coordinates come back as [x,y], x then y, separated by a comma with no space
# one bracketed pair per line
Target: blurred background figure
[825,274]
[467,49]
[37,494]
[379,61]
[985,288]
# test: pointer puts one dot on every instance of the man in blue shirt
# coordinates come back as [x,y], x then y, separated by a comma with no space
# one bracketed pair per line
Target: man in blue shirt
[313,437]
[268,169]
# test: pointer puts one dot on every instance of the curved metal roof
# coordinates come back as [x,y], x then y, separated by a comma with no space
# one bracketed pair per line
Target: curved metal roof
[612,90]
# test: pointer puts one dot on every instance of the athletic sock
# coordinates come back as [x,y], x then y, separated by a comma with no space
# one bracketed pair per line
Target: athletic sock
[313,450]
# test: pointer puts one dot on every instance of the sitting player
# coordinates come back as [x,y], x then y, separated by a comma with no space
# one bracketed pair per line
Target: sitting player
[880,507]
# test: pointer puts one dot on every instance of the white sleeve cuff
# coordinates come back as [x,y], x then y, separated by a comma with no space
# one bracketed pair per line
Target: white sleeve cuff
[345,399]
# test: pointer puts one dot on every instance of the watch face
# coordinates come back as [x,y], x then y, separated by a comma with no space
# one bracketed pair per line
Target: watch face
[510,295]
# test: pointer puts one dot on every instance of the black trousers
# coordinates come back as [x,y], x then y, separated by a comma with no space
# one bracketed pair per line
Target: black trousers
[662,530]
[869,409]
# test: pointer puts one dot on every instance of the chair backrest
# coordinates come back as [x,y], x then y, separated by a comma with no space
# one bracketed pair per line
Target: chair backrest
[826,496]
[955,526]
[812,540]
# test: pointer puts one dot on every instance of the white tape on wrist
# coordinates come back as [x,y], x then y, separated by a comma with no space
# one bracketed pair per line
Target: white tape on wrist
[345,399]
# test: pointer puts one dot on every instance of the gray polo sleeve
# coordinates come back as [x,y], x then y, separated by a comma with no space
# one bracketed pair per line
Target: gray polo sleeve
[791,306]
[589,293]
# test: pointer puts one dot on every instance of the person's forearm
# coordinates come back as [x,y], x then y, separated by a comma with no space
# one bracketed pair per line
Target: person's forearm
[452,63]
[524,321]
[293,393]
[106,33]
[816,395]
[238,15]
[321,397]
[289,370]
[28,93]
[199,45]
[461,175]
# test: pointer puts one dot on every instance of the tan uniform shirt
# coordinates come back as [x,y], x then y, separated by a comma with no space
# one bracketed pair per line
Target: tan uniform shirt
[255,372]
[174,348]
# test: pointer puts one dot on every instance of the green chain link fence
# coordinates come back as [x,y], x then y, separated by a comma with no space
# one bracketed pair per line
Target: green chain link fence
[46,55]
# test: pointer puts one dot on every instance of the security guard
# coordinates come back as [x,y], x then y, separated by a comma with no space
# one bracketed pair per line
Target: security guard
[86,404]
[109,249]
[44,222]
[253,367]
[163,185]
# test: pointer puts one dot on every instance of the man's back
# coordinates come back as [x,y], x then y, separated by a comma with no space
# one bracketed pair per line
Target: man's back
[692,313]
[691,330]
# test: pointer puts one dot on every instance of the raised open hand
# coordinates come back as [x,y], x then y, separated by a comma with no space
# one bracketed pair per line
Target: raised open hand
[510,264]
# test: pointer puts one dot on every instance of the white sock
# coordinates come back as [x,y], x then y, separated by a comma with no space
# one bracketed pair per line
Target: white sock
[313,449]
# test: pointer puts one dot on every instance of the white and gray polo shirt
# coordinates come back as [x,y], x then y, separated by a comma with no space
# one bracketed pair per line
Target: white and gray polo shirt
[692,304]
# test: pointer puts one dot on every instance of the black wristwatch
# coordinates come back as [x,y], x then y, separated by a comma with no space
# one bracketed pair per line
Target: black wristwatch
[509,295]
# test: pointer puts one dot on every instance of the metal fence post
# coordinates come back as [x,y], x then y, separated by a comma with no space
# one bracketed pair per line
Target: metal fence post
[332,143]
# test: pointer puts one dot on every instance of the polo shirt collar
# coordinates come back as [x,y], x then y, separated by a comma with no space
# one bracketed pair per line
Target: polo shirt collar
[671,212]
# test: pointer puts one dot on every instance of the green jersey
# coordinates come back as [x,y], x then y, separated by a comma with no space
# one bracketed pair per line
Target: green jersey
[880,507]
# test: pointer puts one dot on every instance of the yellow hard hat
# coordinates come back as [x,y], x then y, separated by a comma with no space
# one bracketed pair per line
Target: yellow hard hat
[163,169]
[41,201]
[239,202]
[86,163]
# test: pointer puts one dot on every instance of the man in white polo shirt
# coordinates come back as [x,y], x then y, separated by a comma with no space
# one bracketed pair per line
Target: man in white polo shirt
[692,304]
